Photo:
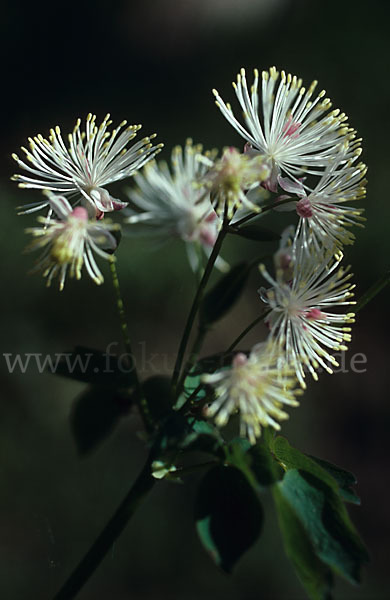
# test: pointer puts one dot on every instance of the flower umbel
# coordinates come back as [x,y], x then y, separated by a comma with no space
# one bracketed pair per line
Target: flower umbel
[93,159]
[70,241]
[173,202]
[258,387]
[299,320]
[295,132]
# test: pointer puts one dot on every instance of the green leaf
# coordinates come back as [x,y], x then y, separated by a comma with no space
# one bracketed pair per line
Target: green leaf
[95,414]
[228,515]
[263,466]
[325,520]
[203,437]
[315,577]
[344,479]
[192,383]
[291,458]
[256,462]
[170,426]
[220,299]
[255,232]
[236,455]
[169,436]
[338,479]
[94,367]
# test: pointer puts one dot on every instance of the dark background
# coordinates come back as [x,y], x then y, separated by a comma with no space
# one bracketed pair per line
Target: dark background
[155,62]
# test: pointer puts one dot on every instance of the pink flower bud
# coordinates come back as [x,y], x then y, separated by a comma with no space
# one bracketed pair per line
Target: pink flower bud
[240,360]
[303,208]
[80,213]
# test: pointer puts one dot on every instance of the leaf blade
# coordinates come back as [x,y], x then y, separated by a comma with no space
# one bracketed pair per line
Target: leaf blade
[228,515]
[315,577]
[326,522]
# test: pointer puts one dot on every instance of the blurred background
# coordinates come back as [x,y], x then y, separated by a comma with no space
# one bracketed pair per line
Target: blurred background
[154,62]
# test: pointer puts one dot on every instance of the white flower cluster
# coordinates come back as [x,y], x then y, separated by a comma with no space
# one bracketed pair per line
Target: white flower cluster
[93,159]
[190,200]
[296,147]
[312,154]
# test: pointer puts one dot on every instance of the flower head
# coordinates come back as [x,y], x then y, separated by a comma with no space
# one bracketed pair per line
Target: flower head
[325,218]
[295,132]
[300,322]
[231,176]
[69,242]
[172,202]
[256,386]
[93,159]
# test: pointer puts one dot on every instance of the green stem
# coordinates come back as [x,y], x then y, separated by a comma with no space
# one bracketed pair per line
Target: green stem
[268,437]
[194,468]
[264,209]
[199,339]
[121,312]
[202,331]
[247,330]
[142,404]
[196,303]
[373,291]
[110,533]
[189,400]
